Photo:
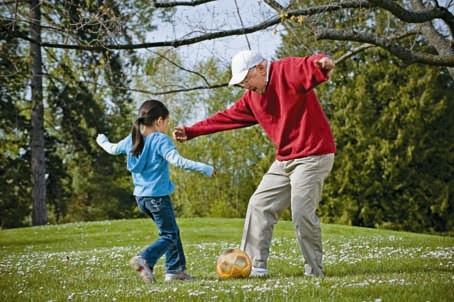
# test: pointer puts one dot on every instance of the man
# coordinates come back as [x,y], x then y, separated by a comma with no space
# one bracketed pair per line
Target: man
[280,97]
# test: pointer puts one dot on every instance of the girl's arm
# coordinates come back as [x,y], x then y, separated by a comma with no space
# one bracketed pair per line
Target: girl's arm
[176,159]
[110,148]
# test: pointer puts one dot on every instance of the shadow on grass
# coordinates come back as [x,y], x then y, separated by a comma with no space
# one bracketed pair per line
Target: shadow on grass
[379,269]
[31,242]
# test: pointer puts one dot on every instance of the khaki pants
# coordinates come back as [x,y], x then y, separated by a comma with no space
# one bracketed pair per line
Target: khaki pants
[297,183]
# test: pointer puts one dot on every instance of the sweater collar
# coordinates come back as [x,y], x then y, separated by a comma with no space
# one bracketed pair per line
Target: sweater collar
[267,78]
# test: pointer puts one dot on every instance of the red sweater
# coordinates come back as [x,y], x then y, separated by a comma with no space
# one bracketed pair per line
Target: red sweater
[288,111]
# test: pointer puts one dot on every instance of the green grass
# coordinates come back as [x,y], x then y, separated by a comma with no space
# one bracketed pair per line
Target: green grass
[89,262]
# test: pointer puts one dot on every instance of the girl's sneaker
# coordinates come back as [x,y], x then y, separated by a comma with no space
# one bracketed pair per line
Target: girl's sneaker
[181,276]
[140,265]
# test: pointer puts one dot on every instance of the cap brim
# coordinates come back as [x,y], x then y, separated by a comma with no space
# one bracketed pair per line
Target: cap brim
[238,78]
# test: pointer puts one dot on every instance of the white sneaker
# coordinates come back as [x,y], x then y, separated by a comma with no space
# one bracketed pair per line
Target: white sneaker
[140,265]
[258,272]
[181,276]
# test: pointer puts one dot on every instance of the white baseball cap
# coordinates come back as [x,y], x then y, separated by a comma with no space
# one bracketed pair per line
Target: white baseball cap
[241,63]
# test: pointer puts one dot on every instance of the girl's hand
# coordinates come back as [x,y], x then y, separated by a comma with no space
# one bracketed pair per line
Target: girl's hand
[101,138]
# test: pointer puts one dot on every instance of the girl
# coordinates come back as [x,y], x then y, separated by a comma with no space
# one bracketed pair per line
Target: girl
[148,150]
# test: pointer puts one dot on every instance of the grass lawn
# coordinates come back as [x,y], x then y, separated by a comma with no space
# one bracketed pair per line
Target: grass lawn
[89,262]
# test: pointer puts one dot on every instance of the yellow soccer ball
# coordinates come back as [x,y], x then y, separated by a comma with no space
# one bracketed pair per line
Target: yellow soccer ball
[233,263]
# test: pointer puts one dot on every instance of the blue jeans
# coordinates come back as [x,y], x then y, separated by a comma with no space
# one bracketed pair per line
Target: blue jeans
[169,243]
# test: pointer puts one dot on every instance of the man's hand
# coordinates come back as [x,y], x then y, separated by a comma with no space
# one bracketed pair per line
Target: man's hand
[326,64]
[179,134]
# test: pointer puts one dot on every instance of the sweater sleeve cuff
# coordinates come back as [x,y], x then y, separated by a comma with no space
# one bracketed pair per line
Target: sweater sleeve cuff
[190,133]
[209,170]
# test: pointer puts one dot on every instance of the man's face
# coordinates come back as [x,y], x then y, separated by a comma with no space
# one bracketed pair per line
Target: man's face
[255,79]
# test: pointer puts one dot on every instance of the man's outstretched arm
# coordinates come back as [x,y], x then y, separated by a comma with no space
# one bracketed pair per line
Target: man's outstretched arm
[239,115]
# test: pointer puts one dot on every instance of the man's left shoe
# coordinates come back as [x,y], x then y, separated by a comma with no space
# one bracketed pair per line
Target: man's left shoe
[258,272]
[309,272]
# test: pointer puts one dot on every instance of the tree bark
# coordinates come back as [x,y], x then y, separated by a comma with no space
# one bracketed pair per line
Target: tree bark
[38,163]
[440,43]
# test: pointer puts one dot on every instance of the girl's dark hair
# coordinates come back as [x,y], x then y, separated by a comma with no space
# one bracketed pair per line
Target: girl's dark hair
[149,112]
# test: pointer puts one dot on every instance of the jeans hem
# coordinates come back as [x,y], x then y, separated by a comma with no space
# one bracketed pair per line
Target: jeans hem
[176,271]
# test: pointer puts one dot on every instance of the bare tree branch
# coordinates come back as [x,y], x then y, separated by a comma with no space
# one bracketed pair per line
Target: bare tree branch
[183,68]
[400,52]
[10,22]
[210,36]
[157,4]
[144,91]
[290,27]
[125,88]
[352,52]
[166,4]
[421,16]
[416,16]
[214,86]
[242,23]
[275,5]
[172,43]
[442,45]
[363,47]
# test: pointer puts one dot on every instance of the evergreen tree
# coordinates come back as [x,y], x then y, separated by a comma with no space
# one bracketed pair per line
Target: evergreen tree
[393,126]
[14,135]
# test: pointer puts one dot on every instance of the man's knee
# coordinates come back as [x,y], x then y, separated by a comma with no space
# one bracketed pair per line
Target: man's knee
[306,219]
[254,202]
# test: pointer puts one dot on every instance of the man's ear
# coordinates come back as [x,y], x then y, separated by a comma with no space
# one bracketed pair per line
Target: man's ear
[261,68]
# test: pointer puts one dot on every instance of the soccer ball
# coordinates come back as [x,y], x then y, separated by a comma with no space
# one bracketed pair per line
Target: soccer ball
[233,263]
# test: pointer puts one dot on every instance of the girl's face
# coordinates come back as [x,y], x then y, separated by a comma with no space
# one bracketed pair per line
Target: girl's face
[162,125]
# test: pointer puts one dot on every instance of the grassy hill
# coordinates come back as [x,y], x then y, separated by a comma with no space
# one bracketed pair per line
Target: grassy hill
[89,262]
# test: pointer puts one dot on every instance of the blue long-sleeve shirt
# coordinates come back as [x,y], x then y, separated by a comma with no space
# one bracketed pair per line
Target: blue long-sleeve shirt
[150,171]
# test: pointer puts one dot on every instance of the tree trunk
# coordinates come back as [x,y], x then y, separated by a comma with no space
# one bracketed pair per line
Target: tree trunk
[39,211]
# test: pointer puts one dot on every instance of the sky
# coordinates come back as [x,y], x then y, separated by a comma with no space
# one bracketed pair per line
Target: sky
[221,15]
[215,16]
